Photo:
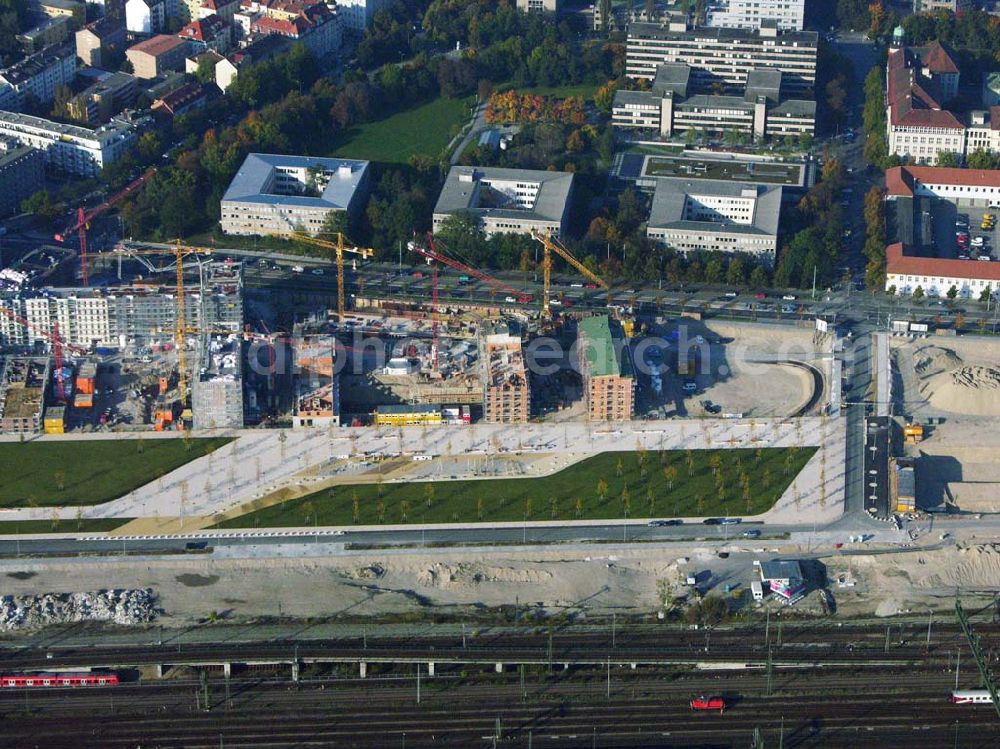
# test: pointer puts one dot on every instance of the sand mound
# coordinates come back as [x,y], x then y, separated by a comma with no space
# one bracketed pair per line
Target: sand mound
[967,390]
[932,360]
[441,575]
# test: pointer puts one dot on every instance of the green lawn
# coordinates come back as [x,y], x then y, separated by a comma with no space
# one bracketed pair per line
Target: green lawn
[89,471]
[652,484]
[86,525]
[425,129]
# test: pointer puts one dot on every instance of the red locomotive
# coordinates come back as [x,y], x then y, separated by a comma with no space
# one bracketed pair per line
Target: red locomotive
[709,703]
[36,681]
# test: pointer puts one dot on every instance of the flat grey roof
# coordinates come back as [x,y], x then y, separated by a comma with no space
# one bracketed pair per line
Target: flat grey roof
[764,82]
[794,108]
[780,569]
[713,101]
[658,31]
[257,168]
[671,196]
[672,76]
[461,190]
[648,98]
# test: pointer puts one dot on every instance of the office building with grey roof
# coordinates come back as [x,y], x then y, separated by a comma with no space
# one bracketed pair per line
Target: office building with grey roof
[506,201]
[273,194]
[720,55]
[668,110]
[712,215]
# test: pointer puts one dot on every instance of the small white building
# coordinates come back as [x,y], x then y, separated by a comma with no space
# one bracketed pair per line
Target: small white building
[786,15]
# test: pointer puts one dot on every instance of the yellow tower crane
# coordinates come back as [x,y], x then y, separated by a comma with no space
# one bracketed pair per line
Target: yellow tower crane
[551,244]
[179,250]
[339,247]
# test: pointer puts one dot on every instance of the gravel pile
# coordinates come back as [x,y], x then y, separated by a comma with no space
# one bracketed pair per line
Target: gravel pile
[125,607]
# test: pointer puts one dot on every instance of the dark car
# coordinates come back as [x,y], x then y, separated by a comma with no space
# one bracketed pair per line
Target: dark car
[661,523]
[712,521]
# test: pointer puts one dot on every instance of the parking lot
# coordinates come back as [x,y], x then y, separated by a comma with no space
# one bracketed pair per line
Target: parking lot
[950,217]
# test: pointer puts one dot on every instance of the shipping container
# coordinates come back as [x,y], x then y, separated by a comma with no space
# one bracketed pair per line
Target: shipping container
[83,400]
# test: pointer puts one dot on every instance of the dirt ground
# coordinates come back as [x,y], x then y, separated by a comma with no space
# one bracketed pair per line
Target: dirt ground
[948,376]
[914,581]
[749,377]
[631,581]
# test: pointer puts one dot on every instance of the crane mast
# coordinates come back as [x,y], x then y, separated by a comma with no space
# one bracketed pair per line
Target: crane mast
[552,245]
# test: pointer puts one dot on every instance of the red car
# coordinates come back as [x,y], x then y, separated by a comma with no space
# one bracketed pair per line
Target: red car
[708,703]
[760,295]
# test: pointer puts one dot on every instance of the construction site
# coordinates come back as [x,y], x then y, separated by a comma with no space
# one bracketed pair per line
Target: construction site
[161,351]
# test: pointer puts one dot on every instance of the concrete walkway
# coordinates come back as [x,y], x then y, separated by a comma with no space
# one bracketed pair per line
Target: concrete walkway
[259,463]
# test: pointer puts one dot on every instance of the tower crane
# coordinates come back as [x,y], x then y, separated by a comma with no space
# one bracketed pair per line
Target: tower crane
[551,244]
[339,247]
[179,250]
[433,253]
[83,219]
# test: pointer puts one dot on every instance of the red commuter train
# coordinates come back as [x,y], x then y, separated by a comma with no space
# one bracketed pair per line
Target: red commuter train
[40,681]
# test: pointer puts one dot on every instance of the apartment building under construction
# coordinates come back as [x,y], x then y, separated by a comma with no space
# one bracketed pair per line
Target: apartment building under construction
[23,382]
[506,397]
[606,366]
[317,386]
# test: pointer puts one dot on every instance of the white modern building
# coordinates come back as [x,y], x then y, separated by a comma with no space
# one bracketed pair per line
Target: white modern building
[717,216]
[273,194]
[722,56]
[506,201]
[70,148]
[786,15]
[357,15]
[146,16]
[37,76]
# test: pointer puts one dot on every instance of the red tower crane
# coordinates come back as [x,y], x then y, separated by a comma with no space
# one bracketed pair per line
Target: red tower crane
[84,217]
[431,252]
[58,344]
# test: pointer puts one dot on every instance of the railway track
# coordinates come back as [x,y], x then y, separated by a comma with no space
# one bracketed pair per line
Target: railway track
[839,645]
[866,697]
[353,715]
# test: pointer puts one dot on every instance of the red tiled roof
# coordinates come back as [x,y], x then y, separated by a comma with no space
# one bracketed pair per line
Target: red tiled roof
[900,181]
[180,98]
[203,30]
[296,27]
[158,45]
[899,264]
[914,100]
[936,59]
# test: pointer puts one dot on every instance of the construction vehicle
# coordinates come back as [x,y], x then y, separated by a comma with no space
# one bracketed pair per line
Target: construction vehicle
[83,219]
[913,433]
[339,247]
[552,245]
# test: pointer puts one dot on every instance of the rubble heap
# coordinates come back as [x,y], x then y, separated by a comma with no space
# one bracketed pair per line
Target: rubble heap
[124,607]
